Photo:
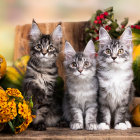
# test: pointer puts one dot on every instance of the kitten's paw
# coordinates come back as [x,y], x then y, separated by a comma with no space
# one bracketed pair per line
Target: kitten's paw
[91,126]
[103,126]
[121,126]
[128,124]
[76,125]
[39,126]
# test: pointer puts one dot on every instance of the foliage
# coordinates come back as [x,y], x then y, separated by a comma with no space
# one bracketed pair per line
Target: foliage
[104,18]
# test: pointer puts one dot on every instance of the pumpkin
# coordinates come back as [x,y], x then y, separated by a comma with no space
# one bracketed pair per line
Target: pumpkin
[136,115]
[15,74]
[2,66]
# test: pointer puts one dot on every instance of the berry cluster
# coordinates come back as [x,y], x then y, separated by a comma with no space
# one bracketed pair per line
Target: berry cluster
[135,27]
[104,18]
[100,18]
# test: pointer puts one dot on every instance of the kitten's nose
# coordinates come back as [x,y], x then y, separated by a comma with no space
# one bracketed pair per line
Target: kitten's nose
[44,53]
[114,58]
[80,70]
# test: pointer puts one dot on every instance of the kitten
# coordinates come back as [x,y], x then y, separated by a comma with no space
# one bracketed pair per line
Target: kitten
[115,76]
[80,104]
[41,74]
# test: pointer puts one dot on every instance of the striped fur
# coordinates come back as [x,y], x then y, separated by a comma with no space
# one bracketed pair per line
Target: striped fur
[80,106]
[115,76]
[40,78]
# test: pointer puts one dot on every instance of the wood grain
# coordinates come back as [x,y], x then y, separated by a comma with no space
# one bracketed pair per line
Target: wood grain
[54,133]
[72,32]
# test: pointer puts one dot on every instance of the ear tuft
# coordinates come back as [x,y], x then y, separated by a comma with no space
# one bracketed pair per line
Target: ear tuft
[104,37]
[89,49]
[69,51]
[57,33]
[35,32]
[127,35]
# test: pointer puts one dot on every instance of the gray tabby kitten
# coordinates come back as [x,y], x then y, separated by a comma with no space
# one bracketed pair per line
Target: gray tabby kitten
[115,80]
[80,106]
[41,74]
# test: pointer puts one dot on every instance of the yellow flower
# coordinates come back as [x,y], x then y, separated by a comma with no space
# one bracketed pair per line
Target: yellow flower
[14,92]
[21,128]
[23,109]
[8,111]
[13,109]
[3,96]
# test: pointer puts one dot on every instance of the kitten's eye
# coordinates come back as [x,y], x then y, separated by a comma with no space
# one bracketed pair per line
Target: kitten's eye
[51,48]
[120,51]
[73,64]
[86,63]
[38,46]
[108,51]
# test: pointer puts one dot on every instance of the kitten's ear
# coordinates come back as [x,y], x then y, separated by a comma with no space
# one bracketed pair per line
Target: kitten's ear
[90,49]
[57,33]
[104,37]
[35,32]
[126,37]
[69,51]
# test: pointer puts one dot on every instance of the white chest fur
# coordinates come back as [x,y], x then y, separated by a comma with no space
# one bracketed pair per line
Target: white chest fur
[82,92]
[116,86]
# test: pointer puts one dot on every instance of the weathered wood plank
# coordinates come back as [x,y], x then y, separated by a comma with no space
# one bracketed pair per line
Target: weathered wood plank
[66,133]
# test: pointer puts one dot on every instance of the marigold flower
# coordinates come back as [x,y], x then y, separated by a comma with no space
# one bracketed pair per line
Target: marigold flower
[8,108]
[24,110]
[21,128]
[14,92]
[3,96]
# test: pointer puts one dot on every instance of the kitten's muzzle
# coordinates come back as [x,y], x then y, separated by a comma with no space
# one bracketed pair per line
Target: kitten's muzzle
[114,58]
[80,70]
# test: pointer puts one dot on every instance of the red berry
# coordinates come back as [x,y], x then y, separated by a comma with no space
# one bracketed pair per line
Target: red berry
[96,31]
[98,17]
[136,26]
[132,26]
[96,54]
[107,27]
[122,26]
[105,13]
[95,21]
[99,22]
[101,16]
[97,38]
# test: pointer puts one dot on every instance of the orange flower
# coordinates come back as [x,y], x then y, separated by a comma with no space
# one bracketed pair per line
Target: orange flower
[14,92]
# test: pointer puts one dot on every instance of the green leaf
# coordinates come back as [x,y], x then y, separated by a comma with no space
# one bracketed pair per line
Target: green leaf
[114,25]
[31,102]
[92,18]
[125,22]
[11,126]
[99,12]
[110,9]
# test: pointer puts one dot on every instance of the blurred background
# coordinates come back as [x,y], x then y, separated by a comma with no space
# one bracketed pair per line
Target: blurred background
[19,12]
